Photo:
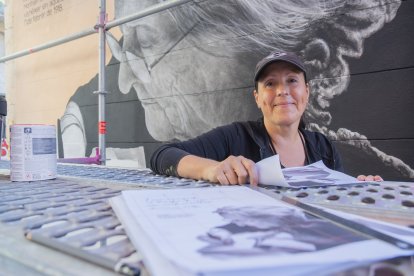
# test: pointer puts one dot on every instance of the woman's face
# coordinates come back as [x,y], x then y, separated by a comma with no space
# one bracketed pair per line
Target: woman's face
[282,94]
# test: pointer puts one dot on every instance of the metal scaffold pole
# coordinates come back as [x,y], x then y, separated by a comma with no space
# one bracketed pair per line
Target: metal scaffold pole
[101,87]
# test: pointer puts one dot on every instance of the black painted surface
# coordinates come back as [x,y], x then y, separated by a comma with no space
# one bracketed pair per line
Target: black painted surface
[379,102]
[124,115]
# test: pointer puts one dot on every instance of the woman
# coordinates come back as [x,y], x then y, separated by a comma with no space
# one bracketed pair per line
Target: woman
[227,154]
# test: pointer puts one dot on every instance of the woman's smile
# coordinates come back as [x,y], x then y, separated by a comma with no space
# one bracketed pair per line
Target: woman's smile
[284,104]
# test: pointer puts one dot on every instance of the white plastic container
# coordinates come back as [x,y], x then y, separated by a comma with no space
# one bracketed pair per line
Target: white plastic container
[32,152]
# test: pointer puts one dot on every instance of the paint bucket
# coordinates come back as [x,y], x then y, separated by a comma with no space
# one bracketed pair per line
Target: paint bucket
[32,152]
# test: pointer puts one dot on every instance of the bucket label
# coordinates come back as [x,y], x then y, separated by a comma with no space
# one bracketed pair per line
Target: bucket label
[32,152]
[44,146]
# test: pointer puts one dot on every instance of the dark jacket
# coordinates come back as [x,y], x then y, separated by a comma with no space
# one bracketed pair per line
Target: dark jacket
[248,139]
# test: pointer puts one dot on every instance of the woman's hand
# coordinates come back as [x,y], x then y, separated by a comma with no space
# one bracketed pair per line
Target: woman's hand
[369,178]
[233,170]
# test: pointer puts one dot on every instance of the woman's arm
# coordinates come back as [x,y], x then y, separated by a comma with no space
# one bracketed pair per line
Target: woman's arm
[212,145]
[232,170]
[207,157]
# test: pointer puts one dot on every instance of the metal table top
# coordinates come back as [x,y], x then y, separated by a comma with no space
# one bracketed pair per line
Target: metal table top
[72,220]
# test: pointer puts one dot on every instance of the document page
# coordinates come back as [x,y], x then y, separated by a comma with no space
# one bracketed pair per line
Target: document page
[313,175]
[228,229]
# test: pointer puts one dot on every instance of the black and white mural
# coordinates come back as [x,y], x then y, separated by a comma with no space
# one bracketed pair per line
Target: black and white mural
[181,72]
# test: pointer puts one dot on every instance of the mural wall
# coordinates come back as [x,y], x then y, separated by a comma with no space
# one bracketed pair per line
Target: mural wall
[179,73]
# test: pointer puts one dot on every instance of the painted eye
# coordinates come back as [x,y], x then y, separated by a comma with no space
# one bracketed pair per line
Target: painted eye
[147,36]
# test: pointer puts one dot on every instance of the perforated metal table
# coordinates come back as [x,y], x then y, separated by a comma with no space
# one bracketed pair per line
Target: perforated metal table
[72,229]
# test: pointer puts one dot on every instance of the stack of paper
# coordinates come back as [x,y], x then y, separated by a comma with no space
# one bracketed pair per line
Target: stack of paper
[236,230]
[312,175]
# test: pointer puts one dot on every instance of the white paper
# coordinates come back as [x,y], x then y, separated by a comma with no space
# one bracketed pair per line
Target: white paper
[315,174]
[159,265]
[270,172]
[190,229]
[153,258]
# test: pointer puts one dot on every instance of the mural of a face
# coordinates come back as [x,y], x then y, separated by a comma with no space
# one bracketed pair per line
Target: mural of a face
[185,89]
[193,60]
[186,62]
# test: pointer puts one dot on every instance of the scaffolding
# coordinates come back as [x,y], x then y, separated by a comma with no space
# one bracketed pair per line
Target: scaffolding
[101,28]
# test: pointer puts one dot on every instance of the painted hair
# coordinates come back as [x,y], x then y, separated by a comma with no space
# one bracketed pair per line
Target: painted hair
[252,22]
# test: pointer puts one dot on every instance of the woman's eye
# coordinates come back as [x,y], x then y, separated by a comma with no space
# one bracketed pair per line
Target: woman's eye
[292,80]
[269,84]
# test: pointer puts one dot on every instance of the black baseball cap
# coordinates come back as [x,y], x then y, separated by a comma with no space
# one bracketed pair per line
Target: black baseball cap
[279,56]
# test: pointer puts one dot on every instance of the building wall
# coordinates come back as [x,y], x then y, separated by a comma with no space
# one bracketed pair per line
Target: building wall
[2,76]
[40,84]
[177,74]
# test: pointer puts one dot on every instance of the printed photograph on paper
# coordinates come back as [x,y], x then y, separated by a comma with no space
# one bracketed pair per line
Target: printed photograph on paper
[260,230]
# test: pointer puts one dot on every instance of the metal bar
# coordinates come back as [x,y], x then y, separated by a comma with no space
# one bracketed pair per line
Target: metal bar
[116,22]
[148,11]
[49,45]
[101,88]
[117,266]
